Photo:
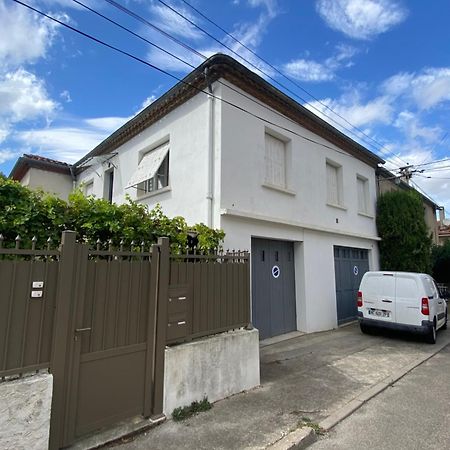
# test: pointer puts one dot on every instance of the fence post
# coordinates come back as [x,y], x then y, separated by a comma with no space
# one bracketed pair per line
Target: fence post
[150,357]
[161,323]
[61,336]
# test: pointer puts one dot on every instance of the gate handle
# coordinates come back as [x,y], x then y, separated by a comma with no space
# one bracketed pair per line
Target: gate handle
[80,330]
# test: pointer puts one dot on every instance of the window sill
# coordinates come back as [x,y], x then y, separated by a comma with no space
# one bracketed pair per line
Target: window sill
[279,189]
[364,214]
[334,205]
[153,193]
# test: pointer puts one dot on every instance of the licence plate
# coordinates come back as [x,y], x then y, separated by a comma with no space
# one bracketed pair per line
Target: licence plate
[379,312]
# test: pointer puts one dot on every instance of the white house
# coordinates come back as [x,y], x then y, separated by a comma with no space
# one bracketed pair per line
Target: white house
[226,148]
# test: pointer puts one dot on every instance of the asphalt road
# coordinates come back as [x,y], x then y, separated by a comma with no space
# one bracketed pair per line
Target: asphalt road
[412,414]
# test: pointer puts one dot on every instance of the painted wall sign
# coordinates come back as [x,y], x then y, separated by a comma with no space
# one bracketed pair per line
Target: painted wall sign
[275,271]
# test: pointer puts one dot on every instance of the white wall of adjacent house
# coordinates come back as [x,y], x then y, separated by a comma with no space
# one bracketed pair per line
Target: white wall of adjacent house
[312,198]
[55,183]
[186,131]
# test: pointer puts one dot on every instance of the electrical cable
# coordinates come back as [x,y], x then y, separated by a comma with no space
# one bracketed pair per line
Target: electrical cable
[186,46]
[272,67]
[136,58]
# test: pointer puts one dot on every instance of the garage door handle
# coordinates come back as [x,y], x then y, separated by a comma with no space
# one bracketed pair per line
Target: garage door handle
[386,301]
[80,330]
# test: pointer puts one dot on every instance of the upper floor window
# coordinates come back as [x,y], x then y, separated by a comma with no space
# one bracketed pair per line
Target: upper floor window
[275,159]
[363,194]
[152,173]
[334,184]
[108,185]
[88,188]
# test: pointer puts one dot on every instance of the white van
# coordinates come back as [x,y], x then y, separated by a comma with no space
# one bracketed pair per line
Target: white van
[403,301]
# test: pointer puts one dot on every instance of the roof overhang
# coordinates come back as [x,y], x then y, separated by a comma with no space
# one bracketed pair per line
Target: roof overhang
[222,66]
[24,163]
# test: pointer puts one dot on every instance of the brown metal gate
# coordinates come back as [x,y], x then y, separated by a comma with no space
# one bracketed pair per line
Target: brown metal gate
[112,366]
[99,320]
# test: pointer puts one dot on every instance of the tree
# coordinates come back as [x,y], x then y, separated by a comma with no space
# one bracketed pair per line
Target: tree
[405,241]
[440,257]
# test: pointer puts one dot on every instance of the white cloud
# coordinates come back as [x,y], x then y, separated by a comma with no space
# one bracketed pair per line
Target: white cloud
[65,95]
[308,70]
[172,23]
[270,5]
[107,124]
[358,113]
[64,143]
[16,26]
[23,97]
[7,155]
[427,89]
[361,19]
[412,129]
[147,102]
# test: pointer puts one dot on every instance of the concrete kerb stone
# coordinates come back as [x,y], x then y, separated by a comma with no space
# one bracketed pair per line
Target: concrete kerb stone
[296,440]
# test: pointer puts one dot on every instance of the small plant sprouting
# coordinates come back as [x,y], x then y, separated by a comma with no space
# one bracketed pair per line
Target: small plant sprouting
[184,412]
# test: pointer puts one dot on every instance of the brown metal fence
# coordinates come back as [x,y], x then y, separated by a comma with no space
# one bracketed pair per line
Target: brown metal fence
[208,294]
[92,315]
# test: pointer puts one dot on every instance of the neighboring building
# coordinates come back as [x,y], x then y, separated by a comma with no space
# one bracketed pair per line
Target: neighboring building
[444,227]
[37,172]
[388,182]
[281,182]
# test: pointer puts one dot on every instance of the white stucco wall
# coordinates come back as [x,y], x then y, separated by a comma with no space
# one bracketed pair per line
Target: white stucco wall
[25,405]
[215,367]
[54,183]
[186,129]
[243,172]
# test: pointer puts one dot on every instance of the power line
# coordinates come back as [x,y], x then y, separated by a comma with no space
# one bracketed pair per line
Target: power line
[136,58]
[271,66]
[188,47]
[190,65]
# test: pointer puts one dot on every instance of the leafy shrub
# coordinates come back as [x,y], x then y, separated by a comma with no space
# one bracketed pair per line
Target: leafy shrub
[35,213]
[440,257]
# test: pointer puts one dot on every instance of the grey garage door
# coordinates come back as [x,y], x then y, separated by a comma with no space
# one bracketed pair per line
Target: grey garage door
[273,287]
[350,265]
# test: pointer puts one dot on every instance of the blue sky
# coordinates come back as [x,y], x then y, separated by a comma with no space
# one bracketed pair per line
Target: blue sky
[382,65]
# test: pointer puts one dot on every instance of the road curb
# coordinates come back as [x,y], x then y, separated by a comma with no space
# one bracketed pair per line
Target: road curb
[296,440]
[342,413]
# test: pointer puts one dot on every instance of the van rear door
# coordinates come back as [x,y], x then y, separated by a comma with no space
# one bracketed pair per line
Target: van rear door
[378,290]
[409,293]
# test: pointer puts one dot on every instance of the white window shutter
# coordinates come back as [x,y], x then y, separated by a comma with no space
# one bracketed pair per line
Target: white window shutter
[275,161]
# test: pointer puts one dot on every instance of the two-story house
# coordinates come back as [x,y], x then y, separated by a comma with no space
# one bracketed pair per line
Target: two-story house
[227,148]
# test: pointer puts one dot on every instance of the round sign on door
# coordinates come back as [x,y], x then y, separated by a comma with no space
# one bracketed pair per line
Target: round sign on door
[355,270]
[275,271]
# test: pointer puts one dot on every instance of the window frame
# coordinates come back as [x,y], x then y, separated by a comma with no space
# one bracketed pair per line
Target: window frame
[365,199]
[339,203]
[150,187]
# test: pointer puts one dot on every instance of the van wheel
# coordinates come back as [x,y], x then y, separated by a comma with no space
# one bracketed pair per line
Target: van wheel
[365,328]
[431,336]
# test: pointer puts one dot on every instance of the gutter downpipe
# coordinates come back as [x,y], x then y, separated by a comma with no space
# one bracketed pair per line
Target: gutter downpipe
[210,176]
[74,177]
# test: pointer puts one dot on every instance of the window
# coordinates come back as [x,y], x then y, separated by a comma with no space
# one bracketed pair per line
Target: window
[334,184]
[362,185]
[109,185]
[89,188]
[152,173]
[275,160]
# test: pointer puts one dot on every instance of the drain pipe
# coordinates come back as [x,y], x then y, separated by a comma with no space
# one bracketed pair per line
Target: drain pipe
[210,177]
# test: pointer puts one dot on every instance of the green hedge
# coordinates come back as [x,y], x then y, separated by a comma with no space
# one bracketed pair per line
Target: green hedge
[29,213]
[405,240]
